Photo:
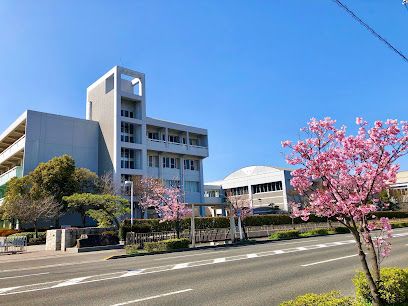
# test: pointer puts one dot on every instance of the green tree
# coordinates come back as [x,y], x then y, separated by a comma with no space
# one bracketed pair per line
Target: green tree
[86,181]
[54,178]
[106,209]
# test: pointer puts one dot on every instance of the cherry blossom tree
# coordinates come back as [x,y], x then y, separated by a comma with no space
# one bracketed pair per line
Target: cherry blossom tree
[342,176]
[167,201]
[240,207]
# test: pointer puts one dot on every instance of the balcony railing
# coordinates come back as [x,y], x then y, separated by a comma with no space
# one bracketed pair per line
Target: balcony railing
[13,149]
[15,172]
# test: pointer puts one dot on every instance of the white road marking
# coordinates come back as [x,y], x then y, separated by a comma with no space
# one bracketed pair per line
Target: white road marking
[215,252]
[153,297]
[218,260]
[19,276]
[328,260]
[132,273]
[252,255]
[189,255]
[70,282]
[4,290]
[180,266]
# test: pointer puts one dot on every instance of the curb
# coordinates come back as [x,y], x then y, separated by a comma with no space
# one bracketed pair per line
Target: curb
[252,242]
[187,250]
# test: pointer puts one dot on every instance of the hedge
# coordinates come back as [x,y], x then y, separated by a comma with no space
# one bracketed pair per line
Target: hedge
[167,245]
[391,214]
[284,235]
[332,298]
[154,225]
[394,286]
[31,240]
[399,224]
[316,232]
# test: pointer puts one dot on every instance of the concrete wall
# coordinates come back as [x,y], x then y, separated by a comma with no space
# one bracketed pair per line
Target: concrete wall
[61,239]
[49,135]
[103,111]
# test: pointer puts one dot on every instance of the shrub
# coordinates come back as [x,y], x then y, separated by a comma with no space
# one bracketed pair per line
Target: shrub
[284,235]
[315,232]
[394,286]
[332,298]
[31,240]
[399,224]
[391,214]
[132,249]
[7,232]
[341,230]
[167,245]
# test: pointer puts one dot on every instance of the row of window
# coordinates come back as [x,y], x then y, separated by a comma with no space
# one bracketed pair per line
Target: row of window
[173,163]
[127,132]
[239,190]
[192,164]
[127,158]
[267,187]
[172,138]
[126,113]
[212,194]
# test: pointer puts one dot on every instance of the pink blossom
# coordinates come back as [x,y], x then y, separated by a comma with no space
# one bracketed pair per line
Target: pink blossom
[343,174]
[286,143]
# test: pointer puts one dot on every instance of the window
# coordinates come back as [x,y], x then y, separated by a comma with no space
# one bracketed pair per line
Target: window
[190,186]
[174,138]
[127,132]
[239,190]
[127,113]
[191,164]
[127,158]
[171,162]
[267,187]
[172,183]
[212,194]
[153,135]
[194,142]
[153,161]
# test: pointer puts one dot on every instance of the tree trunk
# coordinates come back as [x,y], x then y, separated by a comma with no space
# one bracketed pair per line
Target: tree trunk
[374,260]
[243,229]
[83,218]
[35,230]
[178,228]
[371,282]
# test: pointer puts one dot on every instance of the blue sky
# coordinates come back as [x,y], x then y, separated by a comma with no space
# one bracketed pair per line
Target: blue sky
[251,72]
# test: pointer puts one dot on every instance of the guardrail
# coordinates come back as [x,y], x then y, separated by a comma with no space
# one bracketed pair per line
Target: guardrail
[13,244]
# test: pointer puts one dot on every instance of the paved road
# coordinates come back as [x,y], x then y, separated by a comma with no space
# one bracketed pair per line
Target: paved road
[263,274]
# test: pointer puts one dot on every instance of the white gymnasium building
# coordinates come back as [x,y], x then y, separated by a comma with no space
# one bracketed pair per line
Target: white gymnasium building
[268,188]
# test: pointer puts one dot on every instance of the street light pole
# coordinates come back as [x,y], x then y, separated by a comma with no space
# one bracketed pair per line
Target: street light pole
[131,202]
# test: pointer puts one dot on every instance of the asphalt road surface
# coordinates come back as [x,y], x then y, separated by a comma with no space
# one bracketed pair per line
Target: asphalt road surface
[262,274]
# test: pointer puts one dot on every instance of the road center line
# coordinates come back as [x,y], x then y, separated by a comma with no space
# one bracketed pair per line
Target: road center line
[19,276]
[328,260]
[153,297]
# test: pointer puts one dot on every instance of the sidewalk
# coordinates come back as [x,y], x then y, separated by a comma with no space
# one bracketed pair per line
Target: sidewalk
[38,252]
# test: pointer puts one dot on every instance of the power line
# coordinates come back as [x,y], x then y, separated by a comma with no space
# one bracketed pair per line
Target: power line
[371,30]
